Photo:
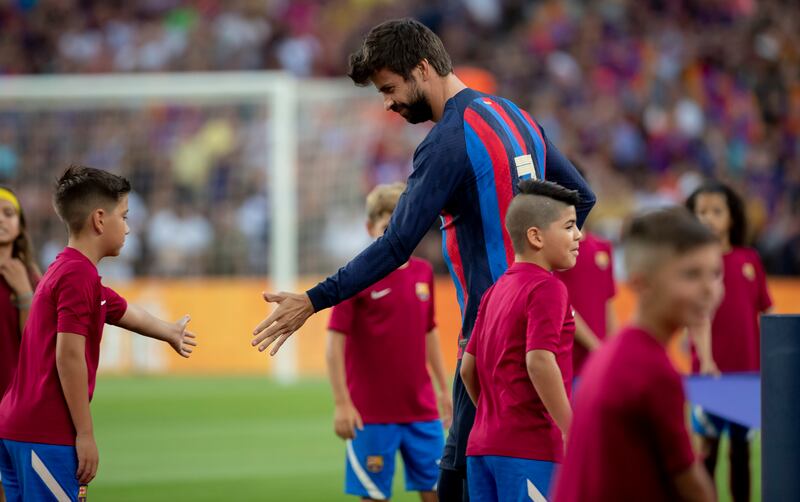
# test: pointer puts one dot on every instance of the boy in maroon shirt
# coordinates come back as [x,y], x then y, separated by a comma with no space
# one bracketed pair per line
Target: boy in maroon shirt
[517,366]
[629,439]
[47,445]
[381,345]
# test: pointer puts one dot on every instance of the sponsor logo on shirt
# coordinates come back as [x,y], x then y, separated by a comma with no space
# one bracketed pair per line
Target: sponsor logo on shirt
[526,169]
[423,291]
[602,260]
[749,271]
[375,463]
[377,295]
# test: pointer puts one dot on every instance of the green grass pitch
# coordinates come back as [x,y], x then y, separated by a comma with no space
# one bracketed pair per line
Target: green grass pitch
[210,439]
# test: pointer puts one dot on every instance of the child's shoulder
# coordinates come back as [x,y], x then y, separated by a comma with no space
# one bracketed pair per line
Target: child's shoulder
[421,265]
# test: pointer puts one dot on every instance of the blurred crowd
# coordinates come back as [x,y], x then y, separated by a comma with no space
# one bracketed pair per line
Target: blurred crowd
[648,96]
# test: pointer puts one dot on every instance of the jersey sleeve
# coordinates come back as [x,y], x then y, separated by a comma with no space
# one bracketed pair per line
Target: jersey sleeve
[665,412]
[438,171]
[116,306]
[547,307]
[342,317]
[75,296]
[560,170]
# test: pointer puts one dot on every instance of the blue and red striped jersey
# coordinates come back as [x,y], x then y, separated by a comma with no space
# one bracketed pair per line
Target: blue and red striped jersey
[465,172]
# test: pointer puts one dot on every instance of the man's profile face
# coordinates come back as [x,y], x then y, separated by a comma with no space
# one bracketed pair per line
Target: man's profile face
[401,96]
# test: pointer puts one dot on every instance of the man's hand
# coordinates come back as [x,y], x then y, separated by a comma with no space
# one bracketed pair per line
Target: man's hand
[88,457]
[183,340]
[445,403]
[292,312]
[15,274]
[346,420]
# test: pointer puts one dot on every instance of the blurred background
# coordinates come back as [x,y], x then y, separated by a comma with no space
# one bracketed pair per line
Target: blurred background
[649,97]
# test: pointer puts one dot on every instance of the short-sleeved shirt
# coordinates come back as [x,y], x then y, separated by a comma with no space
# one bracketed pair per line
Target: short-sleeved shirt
[735,334]
[69,299]
[591,285]
[385,347]
[628,438]
[10,335]
[526,309]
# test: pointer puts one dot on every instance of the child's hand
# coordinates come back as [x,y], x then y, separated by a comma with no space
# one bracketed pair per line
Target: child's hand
[88,458]
[183,340]
[346,420]
[15,274]
[709,368]
[445,403]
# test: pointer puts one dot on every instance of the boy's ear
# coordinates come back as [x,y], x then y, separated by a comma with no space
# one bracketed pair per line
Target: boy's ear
[97,220]
[535,238]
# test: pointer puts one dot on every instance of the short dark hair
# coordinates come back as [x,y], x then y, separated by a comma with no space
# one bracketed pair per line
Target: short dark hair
[738,230]
[538,204]
[81,190]
[674,230]
[398,45]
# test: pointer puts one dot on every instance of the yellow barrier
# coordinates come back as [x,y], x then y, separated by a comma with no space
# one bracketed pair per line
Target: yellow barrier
[224,312]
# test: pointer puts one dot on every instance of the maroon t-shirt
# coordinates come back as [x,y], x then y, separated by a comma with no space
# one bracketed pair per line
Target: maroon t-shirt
[591,285]
[9,332]
[69,299]
[735,335]
[385,347]
[628,438]
[526,309]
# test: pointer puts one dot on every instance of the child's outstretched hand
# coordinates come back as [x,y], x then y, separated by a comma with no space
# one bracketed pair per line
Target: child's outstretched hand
[183,340]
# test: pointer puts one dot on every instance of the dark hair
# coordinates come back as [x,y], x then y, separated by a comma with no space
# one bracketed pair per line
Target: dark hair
[398,45]
[22,249]
[538,204]
[81,190]
[738,231]
[674,229]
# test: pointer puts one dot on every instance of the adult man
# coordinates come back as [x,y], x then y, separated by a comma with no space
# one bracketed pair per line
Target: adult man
[465,171]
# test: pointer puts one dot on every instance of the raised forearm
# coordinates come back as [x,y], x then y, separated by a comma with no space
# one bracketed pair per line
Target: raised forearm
[140,321]
[548,381]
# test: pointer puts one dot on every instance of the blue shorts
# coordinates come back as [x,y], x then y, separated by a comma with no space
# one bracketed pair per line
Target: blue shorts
[371,457]
[33,471]
[713,426]
[509,479]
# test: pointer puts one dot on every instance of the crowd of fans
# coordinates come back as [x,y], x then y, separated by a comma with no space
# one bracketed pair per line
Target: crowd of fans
[649,97]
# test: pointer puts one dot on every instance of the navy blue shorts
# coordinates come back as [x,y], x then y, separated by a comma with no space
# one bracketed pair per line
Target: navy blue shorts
[455,450]
[371,458]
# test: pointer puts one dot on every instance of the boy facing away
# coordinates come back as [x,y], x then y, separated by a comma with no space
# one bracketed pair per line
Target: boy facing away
[382,343]
[629,439]
[518,363]
[47,444]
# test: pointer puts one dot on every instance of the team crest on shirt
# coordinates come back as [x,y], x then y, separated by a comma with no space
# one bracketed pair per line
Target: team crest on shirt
[423,291]
[602,260]
[749,271]
[375,463]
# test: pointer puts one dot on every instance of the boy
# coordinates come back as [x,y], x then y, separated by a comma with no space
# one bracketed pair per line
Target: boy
[517,367]
[47,445]
[629,439]
[378,346]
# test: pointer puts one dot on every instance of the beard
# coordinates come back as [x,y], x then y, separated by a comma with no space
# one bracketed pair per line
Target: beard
[417,110]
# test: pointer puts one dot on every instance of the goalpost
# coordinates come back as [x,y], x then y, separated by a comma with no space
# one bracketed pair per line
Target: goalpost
[300,114]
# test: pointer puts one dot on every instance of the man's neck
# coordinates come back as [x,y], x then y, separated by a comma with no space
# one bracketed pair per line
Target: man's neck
[86,248]
[449,87]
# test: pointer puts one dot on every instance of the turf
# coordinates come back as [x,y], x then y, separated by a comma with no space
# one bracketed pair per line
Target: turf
[210,439]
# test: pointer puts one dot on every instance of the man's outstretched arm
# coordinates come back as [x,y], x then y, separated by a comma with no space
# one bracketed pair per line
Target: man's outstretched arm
[434,179]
